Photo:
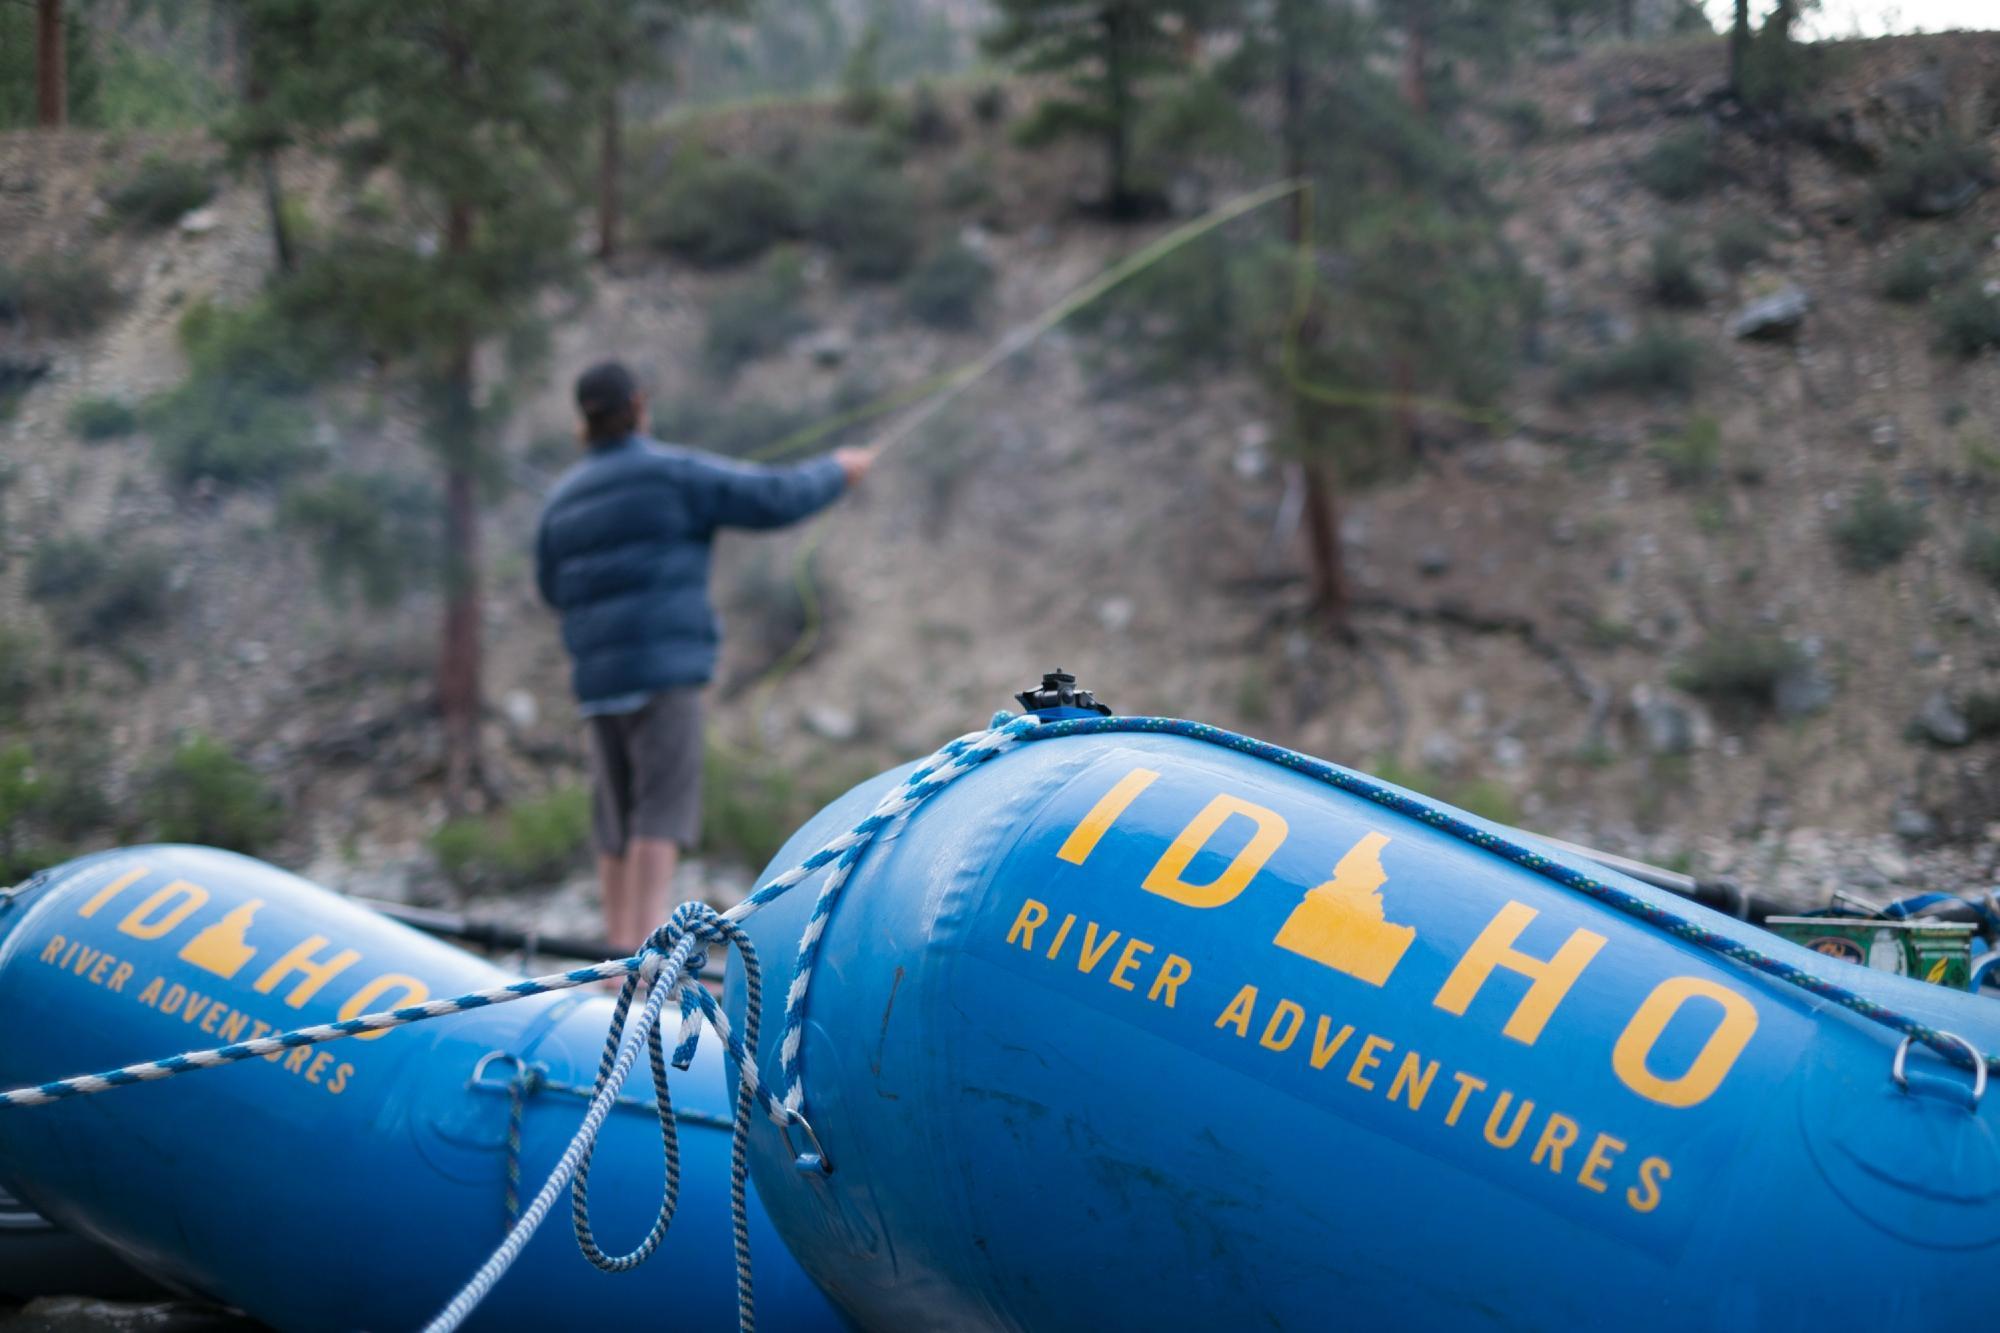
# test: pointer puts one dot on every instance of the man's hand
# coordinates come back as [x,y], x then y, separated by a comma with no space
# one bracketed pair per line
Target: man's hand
[854,463]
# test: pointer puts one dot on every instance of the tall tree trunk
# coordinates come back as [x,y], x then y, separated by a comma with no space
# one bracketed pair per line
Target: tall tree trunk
[1739,46]
[256,92]
[460,696]
[1329,568]
[1117,137]
[1416,92]
[1417,57]
[611,153]
[1322,507]
[282,245]
[51,76]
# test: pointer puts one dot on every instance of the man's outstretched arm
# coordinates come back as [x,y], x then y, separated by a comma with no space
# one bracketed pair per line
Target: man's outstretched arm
[754,495]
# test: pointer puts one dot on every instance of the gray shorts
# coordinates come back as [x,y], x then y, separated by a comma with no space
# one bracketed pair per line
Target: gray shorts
[645,772]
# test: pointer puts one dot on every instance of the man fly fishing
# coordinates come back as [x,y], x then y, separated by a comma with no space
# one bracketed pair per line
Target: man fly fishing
[622,553]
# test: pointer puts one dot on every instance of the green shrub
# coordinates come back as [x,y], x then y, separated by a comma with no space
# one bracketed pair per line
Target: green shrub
[945,291]
[20,673]
[1523,118]
[968,185]
[1741,240]
[1968,320]
[1657,361]
[1681,165]
[718,211]
[751,803]
[374,534]
[1199,311]
[861,207]
[532,844]
[62,295]
[989,104]
[266,342]
[1693,457]
[862,100]
[99,417]
[1671,275]
[1932,178]
[927,123]
[93,596]
[757,314]
[1877,530]
[161,191]
[203,793]
[1484,797]
[240,417]
[50,795]
[1982,554]
[1911,274]
[1738,668]
[1981,710]
[229,432]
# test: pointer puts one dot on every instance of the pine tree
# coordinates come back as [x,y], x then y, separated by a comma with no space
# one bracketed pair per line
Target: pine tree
[622,43]
[1394,196]
[51,95]
[457,114]
[1111,52]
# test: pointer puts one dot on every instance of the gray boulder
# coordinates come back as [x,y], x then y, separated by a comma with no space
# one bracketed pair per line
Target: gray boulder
[1940,722]
[1775,316]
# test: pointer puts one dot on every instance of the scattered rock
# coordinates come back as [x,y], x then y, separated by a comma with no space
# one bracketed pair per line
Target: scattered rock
[1668,727]
[1115,614]
[1804,690]
[200,222]
[1509,752]
[831,722]
[18,372]
[521,709]
[1441,751]
[829,348]
[1912,824]
[1775,316]
[1940,722]
[1941,199]
[1433,561]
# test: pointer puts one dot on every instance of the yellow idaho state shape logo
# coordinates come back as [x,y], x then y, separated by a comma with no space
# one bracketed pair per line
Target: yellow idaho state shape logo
[221,948]
[1341,923]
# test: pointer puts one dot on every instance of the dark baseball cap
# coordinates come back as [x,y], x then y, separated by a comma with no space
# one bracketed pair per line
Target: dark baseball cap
[605,388]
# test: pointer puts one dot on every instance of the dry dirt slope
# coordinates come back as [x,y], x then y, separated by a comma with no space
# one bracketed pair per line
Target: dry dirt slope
[1126,532]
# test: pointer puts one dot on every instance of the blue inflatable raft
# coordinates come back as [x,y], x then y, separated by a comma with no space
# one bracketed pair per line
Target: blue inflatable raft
[352,1185]
[1132,1024]
[1145,1026]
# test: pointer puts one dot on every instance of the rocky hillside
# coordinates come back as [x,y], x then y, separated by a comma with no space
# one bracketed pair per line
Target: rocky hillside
[1711,593]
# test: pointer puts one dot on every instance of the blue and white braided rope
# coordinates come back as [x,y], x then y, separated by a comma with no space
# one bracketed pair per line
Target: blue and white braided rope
[151,1070]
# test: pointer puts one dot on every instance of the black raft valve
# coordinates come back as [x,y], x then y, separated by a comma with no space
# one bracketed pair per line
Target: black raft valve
[1058,694]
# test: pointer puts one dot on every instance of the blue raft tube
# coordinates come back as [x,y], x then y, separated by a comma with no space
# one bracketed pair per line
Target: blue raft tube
[1139,1024]
[351,1185]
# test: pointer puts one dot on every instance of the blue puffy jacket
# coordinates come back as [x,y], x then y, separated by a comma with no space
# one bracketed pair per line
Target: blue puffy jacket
[623,553]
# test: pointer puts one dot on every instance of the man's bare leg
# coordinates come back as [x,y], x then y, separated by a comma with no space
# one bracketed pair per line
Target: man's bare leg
[612,880]
[651,863]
